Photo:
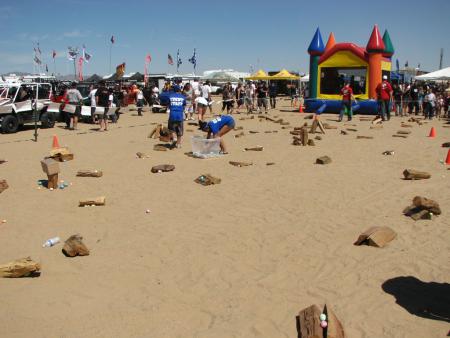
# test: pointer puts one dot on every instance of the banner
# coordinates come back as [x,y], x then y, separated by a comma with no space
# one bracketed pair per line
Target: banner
[86,55]
[148,59]
[72,53]
[120,70]
[169,59]
[193,60]
[80,69]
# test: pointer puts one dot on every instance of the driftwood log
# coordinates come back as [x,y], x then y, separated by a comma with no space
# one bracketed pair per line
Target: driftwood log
[74,246]
[163,168]
[89,173]
[97,201]
[20,268]
[308,323]
[376,236]
[411,174]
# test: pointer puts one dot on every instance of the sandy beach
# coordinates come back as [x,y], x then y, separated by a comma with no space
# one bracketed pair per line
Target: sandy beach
[237,259]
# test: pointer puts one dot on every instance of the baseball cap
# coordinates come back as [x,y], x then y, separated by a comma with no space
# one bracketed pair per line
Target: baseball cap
[384,77]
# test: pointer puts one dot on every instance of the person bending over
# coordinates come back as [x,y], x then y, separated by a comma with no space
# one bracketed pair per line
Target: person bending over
[217,128]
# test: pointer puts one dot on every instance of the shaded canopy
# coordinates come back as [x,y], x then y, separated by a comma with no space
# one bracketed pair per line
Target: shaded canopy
[284,75]
[441,74]
[93,78]
[259,75]
[221,76]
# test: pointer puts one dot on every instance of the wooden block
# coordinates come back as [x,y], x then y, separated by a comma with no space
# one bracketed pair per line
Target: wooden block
[404,132]
[428,204]
[377,120]
[304,136]
[351,129]
[311,143]
[308,323]
[377,126]
[376,236]
[240,164]
[323,160]
[24,267]
[3,185]
[421,214]
[61,154]
[97,201]
[359,137]
[411,174]
[239,135]
[74,246]
[270,163]
[207,179]
[446,145]
[52,181]
[397,135]
[318,138]
[50,166]
[159,147]
[343,132]
[89,173]
[141,155]
[163,168]
[257,148]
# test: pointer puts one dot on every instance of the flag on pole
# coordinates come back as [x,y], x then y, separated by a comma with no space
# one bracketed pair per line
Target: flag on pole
[120,70]
[53,54]
[72,53]
[418,66]
[397,65]
[46,68]
[406,64]
[39,50]
[37,60]
[86,55]
[148,59]
[169,59]
[112,39]
[193,59]
[179,62]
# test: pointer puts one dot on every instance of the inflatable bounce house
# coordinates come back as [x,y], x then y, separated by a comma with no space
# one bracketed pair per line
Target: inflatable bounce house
[336,63]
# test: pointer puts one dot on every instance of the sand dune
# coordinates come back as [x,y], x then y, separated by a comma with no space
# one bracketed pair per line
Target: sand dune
[238,259]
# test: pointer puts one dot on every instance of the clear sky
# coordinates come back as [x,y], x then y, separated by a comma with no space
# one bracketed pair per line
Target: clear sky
[238,34]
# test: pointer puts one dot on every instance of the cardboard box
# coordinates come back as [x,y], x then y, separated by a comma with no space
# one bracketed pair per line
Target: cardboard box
[50,166]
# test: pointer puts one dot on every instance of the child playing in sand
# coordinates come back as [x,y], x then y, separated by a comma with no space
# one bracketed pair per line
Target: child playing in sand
[217,128]
[176,116]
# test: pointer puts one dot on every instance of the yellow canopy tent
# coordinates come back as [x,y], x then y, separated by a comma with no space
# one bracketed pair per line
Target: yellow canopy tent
[259,75]
[284,75]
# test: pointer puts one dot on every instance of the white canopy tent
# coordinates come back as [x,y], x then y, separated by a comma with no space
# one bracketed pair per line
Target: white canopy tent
[439,75]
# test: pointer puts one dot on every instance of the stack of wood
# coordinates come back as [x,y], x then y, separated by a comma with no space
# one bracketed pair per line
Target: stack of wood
[303,139]
[422,208]
[309,323]
[51,168]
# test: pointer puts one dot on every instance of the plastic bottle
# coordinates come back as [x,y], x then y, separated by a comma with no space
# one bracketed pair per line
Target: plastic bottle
[51,242]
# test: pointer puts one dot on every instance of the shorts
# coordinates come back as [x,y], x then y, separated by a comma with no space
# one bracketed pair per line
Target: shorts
[201,105]
[189,108]
[77,110]
[262,102]
[93,111]
[176,127]
[102,116]
[140,103]
[248,101]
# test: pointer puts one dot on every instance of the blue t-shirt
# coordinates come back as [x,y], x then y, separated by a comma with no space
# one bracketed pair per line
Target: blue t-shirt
[177,103]
[217,124]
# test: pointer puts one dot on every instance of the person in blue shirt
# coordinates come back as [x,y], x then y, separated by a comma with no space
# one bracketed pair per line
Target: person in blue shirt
[217,128]
[176,116]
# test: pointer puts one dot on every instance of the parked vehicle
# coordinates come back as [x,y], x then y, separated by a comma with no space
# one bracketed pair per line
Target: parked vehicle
[17,101]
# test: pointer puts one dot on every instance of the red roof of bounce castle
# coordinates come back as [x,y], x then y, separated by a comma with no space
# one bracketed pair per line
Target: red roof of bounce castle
[359,51]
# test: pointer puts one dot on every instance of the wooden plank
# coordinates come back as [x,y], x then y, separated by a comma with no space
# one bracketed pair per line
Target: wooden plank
[323,160]
[162,168]
[97,201]
[90,173]
[376,236]
[309,322]
[334,328]
[240,164]
[411,174]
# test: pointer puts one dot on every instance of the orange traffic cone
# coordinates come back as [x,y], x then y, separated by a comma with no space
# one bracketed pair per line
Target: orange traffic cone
[300,109]
[55,144]
[432,132]
[447,161]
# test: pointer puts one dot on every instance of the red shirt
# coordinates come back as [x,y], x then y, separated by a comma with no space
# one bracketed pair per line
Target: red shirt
[384,90]
[347,93]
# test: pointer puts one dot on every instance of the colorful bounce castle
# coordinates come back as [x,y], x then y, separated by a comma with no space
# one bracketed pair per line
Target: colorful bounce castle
[336,63]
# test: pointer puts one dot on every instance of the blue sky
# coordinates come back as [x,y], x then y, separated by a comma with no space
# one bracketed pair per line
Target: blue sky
[227,34]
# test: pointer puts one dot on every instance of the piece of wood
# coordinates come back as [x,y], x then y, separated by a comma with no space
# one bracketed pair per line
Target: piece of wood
[404,132]
[253,132]
[446,145]
[311,143]
[351,129]
[270,163]
[74,246]
[428,204]
[359,137]
[90,173]
[23,267]
[239,135]
[323,160]
[239,128]
[61,154]
[308,323]
[155,132]
[405,125]
[240,164]
[343,132]
[321,127]
[257,148]
[52,181]
[397,135]
[376,236]
[411,174]
[162,168]
[388,152]
[207,179]
[50,166]
[318,138]
[314,126]
[141,155]
[3,185]
[377,127]
[97,201]
[2,160]
[420,214]
[159,147]
[377,120]
[304,136]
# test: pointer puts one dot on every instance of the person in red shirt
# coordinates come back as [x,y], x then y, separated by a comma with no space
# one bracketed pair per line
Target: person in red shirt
[384,92]
[347,97]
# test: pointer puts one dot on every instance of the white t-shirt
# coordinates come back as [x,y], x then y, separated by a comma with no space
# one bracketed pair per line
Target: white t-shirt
[206,90]
[92,97]
[252,89]
[155,90]
[201,100]
[140,96]
[195,87]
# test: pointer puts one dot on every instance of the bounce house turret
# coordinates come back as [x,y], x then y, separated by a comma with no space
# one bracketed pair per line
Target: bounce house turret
[388,47]
[330,43]
[375,48]
[315,50]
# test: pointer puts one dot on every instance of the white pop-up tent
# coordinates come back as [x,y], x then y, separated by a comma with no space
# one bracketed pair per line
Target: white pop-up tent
[441,74]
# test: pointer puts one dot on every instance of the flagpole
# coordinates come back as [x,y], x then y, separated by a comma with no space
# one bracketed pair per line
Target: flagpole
[75,68]
[110,51]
